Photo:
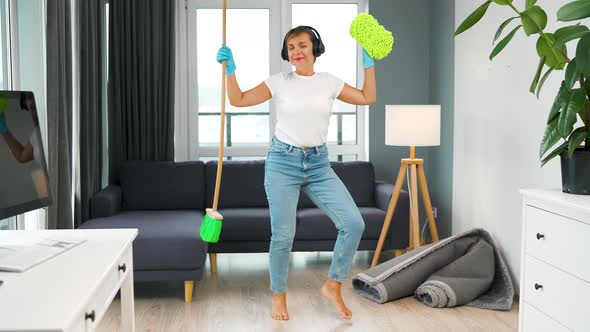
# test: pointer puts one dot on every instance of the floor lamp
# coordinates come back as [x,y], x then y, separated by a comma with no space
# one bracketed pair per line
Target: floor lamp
[410,125]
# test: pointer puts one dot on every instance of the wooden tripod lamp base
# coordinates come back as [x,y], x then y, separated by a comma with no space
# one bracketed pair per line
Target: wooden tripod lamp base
[417,176]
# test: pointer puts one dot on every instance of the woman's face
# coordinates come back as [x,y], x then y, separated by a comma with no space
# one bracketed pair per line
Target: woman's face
[300,50]
[29,104]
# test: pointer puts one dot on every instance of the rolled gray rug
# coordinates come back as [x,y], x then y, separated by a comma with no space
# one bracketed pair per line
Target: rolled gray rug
[464,269]
[463,280]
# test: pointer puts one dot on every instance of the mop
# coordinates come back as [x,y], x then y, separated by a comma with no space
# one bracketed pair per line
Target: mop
[211,225]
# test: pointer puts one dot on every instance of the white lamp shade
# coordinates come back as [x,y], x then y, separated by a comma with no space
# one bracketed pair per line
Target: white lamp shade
[412,125]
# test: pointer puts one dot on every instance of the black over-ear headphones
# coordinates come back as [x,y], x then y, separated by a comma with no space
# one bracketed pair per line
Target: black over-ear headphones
[316,40]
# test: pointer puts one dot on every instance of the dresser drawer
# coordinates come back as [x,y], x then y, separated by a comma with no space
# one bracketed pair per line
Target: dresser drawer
[536,321]
[558,240]
[561,296]
[107,290]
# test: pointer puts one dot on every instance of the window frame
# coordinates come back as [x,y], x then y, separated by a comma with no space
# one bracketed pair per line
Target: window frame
[187,129]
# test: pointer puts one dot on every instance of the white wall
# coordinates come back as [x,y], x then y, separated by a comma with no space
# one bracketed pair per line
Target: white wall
[498,127]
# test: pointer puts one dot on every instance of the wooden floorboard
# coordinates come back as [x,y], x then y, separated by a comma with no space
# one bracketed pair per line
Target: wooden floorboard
[237,298]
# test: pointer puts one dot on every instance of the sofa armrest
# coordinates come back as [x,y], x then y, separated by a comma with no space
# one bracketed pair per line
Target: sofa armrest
[383,192]
[399,228]
[106,202]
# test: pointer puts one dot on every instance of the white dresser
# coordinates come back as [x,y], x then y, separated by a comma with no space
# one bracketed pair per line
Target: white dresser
[555,262]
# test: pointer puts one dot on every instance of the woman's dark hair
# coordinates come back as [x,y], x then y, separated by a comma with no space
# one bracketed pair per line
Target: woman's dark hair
[24,96]
[27,95]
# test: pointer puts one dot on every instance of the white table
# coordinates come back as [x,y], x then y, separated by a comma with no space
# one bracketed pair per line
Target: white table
[72,291]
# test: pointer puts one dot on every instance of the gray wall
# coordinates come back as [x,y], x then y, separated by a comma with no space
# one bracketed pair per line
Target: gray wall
[442,69]
[418,71]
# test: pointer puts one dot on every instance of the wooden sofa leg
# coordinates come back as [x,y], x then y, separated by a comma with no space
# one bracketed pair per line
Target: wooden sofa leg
[397,252]
[188,290]
[213,262]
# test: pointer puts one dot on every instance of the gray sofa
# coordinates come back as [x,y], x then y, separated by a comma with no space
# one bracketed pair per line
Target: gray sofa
[166,202]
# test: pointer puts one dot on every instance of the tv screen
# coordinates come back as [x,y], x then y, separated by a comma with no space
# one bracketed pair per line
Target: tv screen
[24,183]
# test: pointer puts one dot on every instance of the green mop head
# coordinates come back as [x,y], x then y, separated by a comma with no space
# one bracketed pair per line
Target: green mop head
[211,226]
[373,37]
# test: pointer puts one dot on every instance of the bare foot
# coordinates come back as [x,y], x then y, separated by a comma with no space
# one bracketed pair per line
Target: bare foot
[331,291]
[279,306]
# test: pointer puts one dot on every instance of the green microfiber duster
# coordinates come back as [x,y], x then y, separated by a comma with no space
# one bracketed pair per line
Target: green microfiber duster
[373,37]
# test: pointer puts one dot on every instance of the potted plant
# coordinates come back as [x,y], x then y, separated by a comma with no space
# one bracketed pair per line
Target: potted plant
[572,99]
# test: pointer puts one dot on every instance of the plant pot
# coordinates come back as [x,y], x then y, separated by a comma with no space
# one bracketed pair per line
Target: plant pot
[575,172]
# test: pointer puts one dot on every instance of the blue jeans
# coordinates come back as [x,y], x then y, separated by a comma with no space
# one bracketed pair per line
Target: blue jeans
[288,170]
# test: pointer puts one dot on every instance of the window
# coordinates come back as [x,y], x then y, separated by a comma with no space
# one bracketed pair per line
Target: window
[255,31]
[9,223]
[253,53]
[105,107]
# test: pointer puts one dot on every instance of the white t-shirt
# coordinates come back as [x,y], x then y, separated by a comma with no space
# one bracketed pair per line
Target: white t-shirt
[304,105]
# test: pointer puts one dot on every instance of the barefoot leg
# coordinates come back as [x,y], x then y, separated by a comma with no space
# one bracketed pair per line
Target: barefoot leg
[331,290]
[279,306]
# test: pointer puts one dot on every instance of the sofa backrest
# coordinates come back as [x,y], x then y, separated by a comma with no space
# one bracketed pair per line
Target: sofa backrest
[242,183]
[162,185]
[359,179]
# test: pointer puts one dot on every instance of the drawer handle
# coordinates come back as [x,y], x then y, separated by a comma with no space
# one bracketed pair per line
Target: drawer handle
[123,267]
[90,316]
[540,236]
[537,286]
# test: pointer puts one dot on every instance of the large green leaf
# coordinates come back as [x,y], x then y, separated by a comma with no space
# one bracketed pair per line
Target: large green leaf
[550,138]
[567,117]
[561,98]
[473,18]
[583,55]
[574,11]
[543,79]
[530,3]
[554,153]
[537,75]
[572,74]
[502,2]
[554,57]
[533,20]
[501,28]
[585,115]
[576,139]
[565,34]
[503,43]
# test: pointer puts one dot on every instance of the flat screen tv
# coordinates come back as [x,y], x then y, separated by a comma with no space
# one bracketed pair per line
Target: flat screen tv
[24,181]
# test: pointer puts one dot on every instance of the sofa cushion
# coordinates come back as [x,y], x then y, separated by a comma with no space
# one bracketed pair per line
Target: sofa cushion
[162,185]
[166,240]
[314,224]
[245,224]
[242,184]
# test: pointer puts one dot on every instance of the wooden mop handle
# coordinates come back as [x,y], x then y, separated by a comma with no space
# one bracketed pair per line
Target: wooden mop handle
[222,129]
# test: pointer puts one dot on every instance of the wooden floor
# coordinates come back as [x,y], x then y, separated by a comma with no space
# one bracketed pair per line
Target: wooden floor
[237,298]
